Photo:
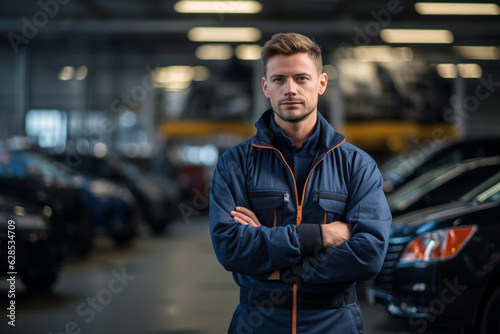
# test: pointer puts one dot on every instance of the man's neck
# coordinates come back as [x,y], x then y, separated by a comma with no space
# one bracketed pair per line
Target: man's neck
[298,132]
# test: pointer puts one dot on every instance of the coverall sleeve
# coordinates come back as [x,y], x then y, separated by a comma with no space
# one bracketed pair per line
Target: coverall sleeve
[361,257]
[254,251]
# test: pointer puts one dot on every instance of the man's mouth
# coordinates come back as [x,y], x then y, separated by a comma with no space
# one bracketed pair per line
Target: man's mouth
[290,103]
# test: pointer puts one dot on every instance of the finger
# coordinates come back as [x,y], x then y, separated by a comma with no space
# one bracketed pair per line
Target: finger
[248,213]
[245,218]
[241,221]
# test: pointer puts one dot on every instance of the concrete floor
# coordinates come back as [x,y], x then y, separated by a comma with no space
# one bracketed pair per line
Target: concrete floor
[169,284]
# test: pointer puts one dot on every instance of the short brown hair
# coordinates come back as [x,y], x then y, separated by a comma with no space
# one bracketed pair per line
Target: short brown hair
[288,44]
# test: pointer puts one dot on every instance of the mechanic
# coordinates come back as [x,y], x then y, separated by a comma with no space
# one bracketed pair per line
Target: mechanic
[297,214]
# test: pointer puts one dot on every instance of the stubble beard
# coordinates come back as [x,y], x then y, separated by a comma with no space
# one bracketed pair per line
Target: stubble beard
[293,118]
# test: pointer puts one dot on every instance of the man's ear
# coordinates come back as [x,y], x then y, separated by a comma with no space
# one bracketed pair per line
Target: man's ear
[264,86]
[323,82]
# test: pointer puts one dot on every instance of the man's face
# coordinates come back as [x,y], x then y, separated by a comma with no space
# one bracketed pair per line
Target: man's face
[292,84]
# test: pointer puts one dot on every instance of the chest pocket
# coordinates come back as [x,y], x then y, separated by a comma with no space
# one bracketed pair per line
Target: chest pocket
[329,207]
[268,205]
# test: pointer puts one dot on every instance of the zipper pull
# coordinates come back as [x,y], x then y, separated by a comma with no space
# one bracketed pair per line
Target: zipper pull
[286,197]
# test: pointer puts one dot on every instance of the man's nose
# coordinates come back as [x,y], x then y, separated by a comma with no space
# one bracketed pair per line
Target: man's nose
[291,88]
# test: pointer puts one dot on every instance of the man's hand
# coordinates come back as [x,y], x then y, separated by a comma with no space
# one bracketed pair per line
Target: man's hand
[336,233]
[247,217]
[244,216]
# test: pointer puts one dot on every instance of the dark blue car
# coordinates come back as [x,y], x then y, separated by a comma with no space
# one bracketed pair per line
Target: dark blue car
[82,204]
[443,264]
[30,246]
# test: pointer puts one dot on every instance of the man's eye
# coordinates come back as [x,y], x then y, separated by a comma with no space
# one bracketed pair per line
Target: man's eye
[277,79]
[302,78]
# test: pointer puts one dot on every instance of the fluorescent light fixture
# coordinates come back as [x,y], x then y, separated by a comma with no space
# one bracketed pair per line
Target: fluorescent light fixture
[214,52]
[178,78]
[470,70]
[66,73]
[450,8]
[224,34]
[451,71]
[248,52]
[477,52]
[423,36]
[382,53]
[219,7]
[174,74]
[81,73]
[447,71]
[174,78]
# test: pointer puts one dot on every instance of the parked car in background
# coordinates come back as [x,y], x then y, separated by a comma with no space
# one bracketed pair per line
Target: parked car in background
[28,176]
[99,205]
[442,185]
[26,230]
[113,208]
[443,264]
[158,197]
[402,169]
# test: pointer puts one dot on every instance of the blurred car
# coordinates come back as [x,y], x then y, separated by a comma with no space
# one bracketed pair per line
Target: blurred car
[442,185]
[30,177]
[113,208]
[158,197]
[443,264]
[402,169]
[35,252]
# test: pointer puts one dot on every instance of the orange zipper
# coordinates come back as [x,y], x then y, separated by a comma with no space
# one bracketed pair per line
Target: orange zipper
[299,216]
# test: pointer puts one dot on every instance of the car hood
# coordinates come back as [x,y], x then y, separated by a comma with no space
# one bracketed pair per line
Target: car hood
[440,213]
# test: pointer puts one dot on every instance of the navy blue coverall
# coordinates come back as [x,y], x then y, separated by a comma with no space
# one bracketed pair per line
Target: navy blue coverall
[316,293]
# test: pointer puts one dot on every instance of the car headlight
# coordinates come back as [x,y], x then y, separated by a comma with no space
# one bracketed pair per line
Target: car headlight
[437,245]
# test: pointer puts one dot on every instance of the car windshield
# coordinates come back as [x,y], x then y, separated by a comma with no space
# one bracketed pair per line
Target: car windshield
[488,191]
[396,169]
[21,164]
[408,194]
[444,183]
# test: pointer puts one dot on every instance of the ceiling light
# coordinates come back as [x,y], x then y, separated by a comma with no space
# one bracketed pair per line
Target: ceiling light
[470,70]
[451,71]
[174,78]
[66,73]
[219,7]
[448,8]
[214,52]
[248,52]
[174,74]
[81,73]
[209,34]
[416,36]
[477,52]
[447,71]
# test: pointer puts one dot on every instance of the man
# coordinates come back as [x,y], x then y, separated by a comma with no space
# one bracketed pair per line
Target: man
[296,213]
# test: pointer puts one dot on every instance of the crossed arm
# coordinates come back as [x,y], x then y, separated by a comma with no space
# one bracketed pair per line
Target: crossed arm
[334,233]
